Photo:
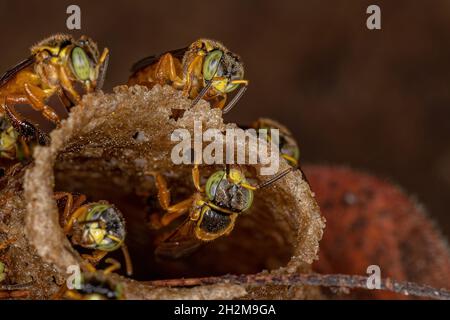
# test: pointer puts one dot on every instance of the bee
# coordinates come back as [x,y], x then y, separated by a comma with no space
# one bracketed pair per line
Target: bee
[12,145]
[288,146]
[205,69]
[56,66]
[212,210]
[99,226]
[10,290]
[97,286]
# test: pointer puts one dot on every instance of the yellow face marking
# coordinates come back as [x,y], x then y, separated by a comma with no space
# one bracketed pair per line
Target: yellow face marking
[114,238]
[220,85]
[54,50]
[97,234]
[236,176]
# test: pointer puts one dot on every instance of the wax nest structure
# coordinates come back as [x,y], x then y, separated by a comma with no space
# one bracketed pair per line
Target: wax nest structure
[103,150]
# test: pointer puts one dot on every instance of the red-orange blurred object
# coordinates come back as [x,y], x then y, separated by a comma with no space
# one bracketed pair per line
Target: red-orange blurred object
[372,222]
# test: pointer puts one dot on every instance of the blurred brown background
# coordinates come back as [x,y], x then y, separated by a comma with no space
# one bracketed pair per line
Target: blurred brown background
[373,100]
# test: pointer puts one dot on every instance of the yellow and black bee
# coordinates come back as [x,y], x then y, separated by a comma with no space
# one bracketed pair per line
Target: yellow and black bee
[56,67]
[95,225]
[205,69]
[288,146]
[212,210]
[96,286]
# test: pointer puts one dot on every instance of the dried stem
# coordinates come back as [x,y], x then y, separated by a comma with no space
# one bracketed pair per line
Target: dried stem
[332,280]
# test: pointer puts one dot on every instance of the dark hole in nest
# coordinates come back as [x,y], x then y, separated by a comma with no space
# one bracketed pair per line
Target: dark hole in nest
[176,113]
[254,245]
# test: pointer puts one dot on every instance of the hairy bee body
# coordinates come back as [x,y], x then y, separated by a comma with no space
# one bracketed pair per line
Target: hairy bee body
[58,66]
[101,227]
[206,69]
[289,149]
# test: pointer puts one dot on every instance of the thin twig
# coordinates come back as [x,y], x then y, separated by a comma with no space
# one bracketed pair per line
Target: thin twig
[332,280]
[18,286]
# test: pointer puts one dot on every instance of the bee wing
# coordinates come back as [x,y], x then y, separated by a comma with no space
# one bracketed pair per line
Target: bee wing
[11,72]
[177,53]
[180,243]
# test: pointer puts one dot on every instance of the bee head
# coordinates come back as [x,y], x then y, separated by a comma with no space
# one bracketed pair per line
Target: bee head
[103,227]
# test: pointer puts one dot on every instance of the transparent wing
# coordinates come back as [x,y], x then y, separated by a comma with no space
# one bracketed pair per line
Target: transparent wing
[12,72]
[180,243]
[145,62]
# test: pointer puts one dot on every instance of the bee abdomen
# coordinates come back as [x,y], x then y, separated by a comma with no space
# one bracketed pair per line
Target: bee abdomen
[215,222]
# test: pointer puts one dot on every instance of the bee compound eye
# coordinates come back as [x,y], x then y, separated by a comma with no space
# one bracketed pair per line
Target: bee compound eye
[81,64]
[213,183]
[211,64]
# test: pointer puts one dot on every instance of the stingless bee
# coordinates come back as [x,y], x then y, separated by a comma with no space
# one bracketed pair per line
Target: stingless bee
[212,210]
[10,291]
[12,145]
[205,69]
[95,225]
[97,285]
[288,146]
[56,66]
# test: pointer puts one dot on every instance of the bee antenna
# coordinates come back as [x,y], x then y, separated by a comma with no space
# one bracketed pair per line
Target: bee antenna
[202,93]
[275,178]
[234,100]
[205,88]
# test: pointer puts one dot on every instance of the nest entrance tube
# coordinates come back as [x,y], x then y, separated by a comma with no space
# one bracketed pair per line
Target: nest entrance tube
[254,245]
[103,150]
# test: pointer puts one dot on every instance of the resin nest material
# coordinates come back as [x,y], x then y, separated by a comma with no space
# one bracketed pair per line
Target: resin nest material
[103,150]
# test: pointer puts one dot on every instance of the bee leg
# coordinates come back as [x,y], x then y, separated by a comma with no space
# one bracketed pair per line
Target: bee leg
[166,70]
[237,97]
[73,217]
[70,204]
[217,101]
[172,213]
[96,256]
[114,265]
[25,128]
[67,206]
[37,96]
[196,178]
[25,148]
[163,190]
[67,86]
[126,256]
[194,70]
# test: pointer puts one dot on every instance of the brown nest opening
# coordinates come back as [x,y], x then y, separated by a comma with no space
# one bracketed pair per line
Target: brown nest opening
[103,150]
